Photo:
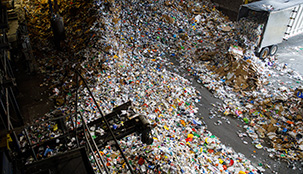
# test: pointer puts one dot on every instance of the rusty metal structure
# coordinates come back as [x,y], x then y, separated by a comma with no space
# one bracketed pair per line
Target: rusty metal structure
[84,143]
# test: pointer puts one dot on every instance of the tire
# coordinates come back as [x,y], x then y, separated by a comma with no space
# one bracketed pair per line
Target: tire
[264,53]
[146,138]
[273,50]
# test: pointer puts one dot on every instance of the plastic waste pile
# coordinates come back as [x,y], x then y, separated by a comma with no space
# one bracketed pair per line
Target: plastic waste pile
[273,111]
[250,28]
[43,136]
[132,43]
[252,87]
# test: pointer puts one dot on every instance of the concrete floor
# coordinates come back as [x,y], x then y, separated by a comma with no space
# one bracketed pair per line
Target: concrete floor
[291,53]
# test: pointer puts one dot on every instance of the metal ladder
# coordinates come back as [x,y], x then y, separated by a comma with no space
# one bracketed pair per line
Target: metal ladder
[291,22]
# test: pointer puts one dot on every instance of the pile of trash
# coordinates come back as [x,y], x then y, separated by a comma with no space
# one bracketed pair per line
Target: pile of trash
[273,112]
[182,144]
[249,86]
[54,64]
[251,27]
[132,44]
[239,74]
[38,16]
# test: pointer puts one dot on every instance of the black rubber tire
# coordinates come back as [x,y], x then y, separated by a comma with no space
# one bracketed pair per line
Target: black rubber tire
[273,50]
[146,138]
[264,53]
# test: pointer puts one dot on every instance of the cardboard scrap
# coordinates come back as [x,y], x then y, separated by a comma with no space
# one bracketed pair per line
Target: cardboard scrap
[237,73]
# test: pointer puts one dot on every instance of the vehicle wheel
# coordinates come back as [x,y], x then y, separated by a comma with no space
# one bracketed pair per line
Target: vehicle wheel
[264,53]
[146,137]
[273,50]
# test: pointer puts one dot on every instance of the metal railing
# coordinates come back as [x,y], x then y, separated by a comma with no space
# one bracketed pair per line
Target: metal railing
[91,145]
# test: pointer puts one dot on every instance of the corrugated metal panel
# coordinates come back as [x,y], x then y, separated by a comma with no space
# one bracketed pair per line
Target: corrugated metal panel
[297,26]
